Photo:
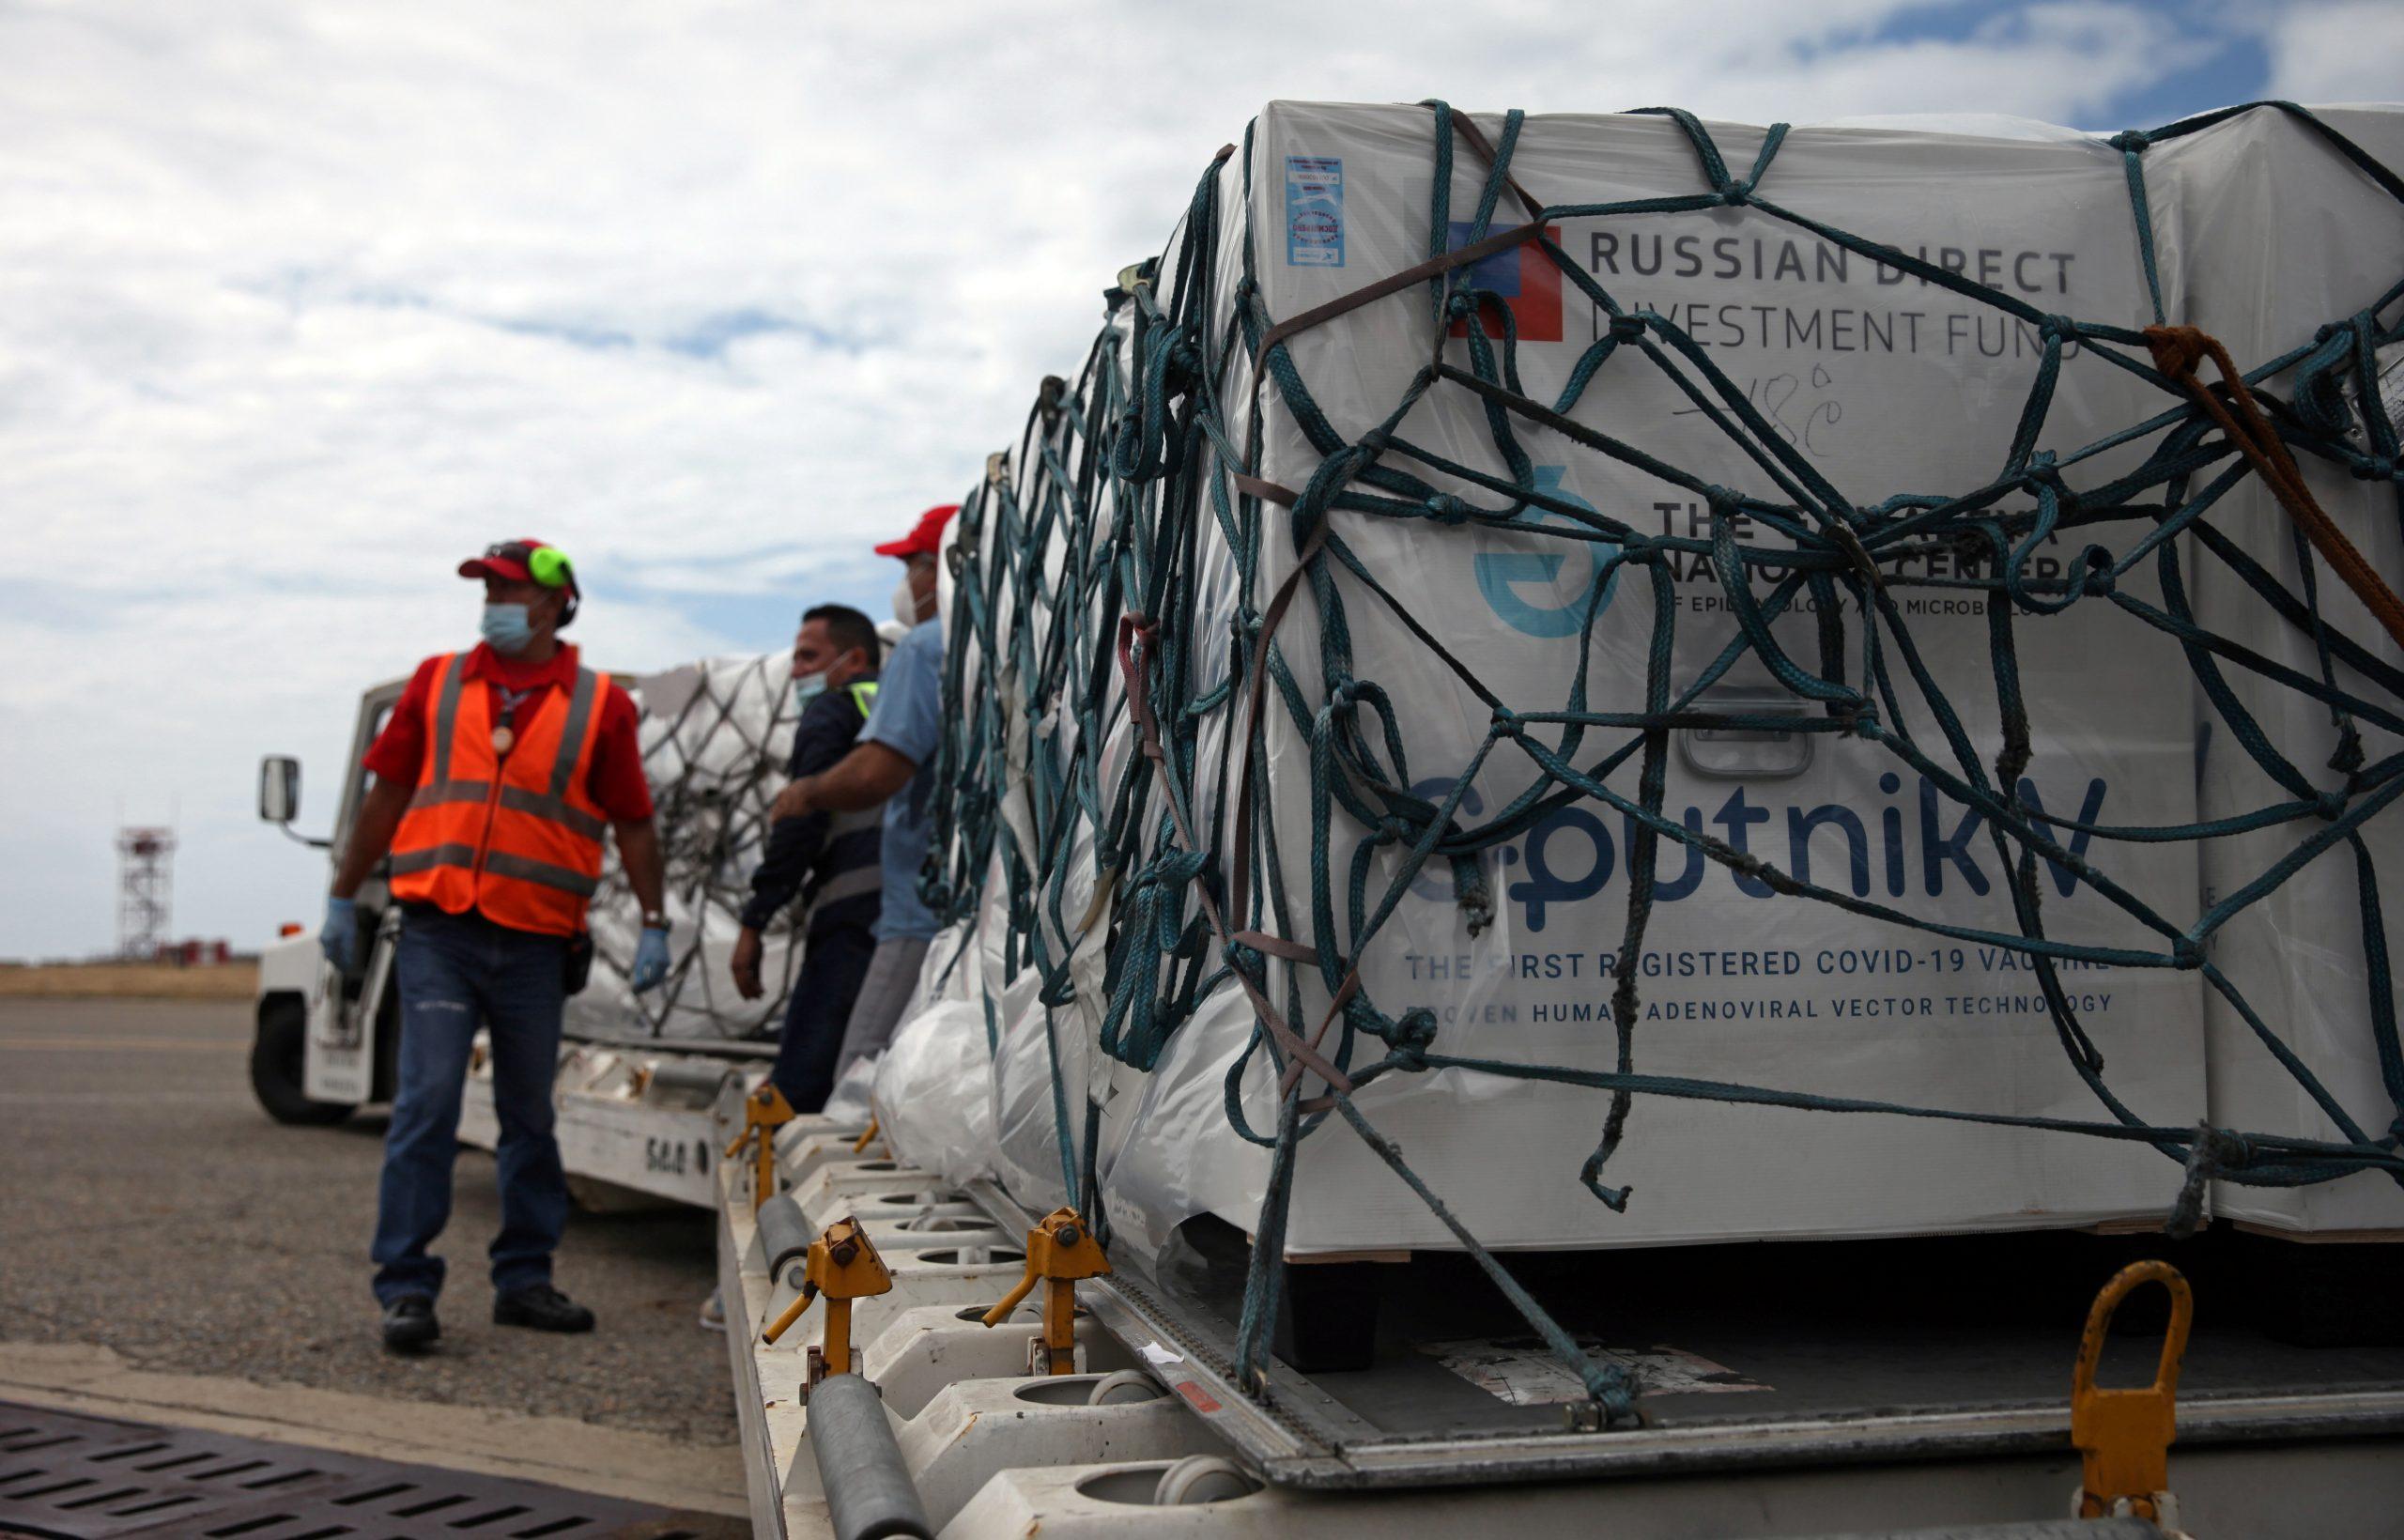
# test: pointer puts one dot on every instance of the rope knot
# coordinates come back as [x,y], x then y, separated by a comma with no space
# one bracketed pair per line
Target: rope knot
[2130,141]
[1173,869]
[2213,1152]
[2330,805]
[1720,497]
[1410,1037]
[1374,441]
[2177,350]
[1627,328]
[2042,472]
[1736,195]
[1448,510]
[2058,329]
[1246,960]
[2187,952]
[2374,468]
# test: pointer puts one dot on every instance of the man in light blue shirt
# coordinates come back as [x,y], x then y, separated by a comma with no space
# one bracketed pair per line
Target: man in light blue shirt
[889,767]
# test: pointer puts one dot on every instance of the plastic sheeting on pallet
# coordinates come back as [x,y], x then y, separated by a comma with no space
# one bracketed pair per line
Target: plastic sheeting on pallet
[932,1090]
[716,735]
[2267,260]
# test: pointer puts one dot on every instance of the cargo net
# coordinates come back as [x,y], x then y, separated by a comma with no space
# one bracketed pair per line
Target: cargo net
[1074,610]
[716,737]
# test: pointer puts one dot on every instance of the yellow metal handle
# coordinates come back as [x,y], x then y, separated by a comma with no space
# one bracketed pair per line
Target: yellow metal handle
[2098,1325]
[792,1313]
[1001,1312]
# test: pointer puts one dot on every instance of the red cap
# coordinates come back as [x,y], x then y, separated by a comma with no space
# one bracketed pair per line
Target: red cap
[513,562]
[926,536]
[504,560]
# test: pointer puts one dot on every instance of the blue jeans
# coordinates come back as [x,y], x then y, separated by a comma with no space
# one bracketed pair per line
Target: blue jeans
[834,960]
[455,972]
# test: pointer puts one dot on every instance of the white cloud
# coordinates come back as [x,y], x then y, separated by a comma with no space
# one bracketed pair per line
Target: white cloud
[300,303]
[2347,51]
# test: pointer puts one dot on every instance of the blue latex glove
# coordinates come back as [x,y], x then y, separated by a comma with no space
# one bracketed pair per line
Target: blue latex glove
[651,959]
[338,938]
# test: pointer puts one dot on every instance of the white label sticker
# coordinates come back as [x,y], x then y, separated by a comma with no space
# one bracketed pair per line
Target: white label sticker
[1523,1372]
[1158,1356]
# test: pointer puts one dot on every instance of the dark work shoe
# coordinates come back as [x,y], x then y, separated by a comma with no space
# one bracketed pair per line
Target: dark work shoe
[409,1324]
[542,1307]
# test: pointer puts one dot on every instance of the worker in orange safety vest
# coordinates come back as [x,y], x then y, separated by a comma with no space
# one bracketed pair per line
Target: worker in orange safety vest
[498,780]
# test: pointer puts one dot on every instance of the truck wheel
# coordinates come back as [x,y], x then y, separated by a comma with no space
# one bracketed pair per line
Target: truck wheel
[277,1055]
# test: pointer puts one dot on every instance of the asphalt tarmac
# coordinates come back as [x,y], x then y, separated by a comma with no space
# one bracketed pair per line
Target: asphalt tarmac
[148,1205]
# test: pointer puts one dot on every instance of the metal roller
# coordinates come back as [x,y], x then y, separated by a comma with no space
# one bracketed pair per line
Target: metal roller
[784,1234]
[869,1495]
[698,1078]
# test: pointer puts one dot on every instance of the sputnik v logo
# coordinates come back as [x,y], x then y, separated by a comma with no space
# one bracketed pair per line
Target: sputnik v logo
[1501,574]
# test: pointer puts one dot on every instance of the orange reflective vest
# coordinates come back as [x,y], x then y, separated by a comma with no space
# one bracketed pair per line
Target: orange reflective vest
[515,831]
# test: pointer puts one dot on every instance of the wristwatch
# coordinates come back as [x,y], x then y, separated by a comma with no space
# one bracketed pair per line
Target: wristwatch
[654,922]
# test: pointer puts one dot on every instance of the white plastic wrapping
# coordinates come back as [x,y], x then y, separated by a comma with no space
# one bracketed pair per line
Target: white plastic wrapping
[716,735]
[930,1096]
[2278,235]
[930,1088]
[851,1101]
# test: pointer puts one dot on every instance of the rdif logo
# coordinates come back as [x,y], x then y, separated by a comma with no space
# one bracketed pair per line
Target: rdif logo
[1525,588]
[1522,278]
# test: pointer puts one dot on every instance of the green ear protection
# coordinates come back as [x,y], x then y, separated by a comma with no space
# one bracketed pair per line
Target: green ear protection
[546,565]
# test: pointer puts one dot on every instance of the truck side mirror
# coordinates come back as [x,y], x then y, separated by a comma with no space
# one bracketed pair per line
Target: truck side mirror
[279,788]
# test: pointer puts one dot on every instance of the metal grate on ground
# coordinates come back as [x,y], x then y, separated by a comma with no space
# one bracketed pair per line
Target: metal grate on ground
[69,1477]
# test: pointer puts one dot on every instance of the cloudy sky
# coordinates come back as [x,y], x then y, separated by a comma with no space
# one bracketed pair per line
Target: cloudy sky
[301,303]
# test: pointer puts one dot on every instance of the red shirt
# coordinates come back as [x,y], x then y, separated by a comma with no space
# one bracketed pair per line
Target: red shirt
[614,778]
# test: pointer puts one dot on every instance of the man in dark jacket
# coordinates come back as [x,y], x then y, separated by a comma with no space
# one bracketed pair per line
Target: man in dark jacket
[832,860]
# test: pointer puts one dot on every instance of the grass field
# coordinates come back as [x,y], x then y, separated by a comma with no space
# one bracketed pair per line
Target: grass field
[129,980]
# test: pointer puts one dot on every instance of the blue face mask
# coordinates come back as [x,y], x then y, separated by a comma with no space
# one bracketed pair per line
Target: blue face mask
[507,628]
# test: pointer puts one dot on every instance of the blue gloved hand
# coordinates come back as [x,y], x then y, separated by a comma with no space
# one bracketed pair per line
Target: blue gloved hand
[651,959]
[338,938]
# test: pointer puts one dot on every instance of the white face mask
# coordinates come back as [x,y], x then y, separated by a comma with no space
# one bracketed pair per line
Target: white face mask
[807,688]
[905,602]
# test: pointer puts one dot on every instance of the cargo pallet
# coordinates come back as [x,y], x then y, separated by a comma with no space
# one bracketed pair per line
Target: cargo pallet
[1912,1410]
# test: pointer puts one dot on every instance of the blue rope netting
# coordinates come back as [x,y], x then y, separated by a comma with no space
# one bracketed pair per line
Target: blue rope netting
[1075,610]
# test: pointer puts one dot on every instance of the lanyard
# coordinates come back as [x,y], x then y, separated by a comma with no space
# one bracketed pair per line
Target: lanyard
[503,736]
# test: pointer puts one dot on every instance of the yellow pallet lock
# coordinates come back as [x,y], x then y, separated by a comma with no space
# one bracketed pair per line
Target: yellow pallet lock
[1059,1251]
[2124,1435]
[764,1111]
[843,1266]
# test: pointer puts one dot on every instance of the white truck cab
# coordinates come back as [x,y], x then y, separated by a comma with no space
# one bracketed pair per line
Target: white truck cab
[326,1041]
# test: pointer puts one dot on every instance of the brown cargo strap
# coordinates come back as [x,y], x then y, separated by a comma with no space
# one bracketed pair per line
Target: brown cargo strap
[2177,351]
